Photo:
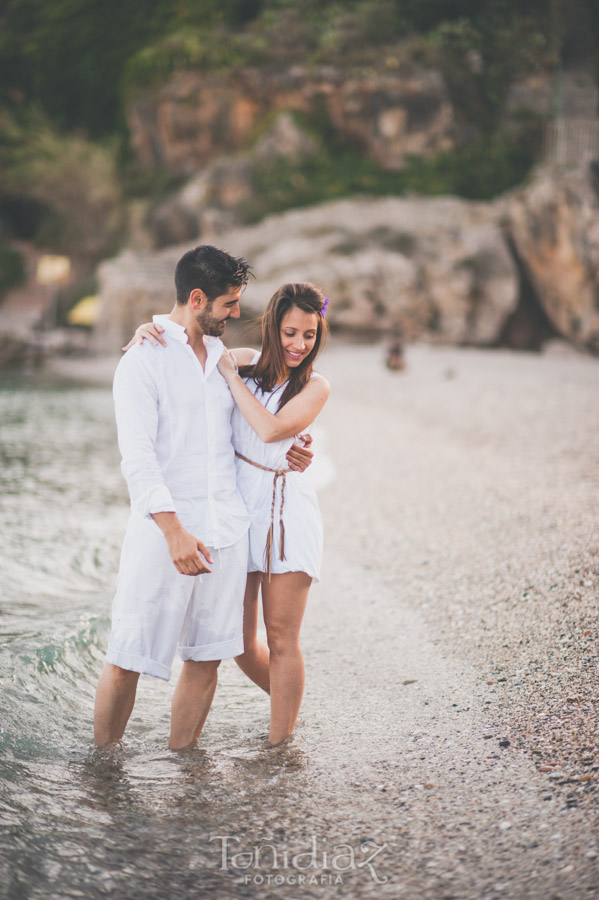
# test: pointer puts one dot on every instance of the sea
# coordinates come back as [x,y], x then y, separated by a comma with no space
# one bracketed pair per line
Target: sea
[226,819]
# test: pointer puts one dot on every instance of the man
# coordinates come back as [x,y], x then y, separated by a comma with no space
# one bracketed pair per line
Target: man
[183,564]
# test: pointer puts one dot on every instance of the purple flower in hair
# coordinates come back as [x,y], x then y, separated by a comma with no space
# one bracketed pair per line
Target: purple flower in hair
[323,310]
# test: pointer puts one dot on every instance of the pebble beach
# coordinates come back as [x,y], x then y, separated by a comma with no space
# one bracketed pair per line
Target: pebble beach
[465,509]
[449,724]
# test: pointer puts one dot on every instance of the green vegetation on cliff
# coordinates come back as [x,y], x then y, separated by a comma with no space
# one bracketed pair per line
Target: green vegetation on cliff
[67,68]
[61,190]
[70,57]
[479,170]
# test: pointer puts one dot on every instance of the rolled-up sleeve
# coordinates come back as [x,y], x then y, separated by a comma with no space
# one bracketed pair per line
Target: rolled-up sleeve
[135,393]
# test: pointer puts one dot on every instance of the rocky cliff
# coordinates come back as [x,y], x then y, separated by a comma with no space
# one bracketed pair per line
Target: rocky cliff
[554,225]
[442,269]
[196,116]
[437,267]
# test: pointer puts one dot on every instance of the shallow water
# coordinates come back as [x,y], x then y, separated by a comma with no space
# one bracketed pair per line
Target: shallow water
[395,784]
[139,821]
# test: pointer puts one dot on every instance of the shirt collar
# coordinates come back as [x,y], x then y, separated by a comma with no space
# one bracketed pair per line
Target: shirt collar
[212,343]
[173,329]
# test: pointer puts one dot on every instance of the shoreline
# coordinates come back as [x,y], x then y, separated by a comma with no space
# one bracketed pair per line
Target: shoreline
[451,703]
[468,478]
[99,370]
[472,475]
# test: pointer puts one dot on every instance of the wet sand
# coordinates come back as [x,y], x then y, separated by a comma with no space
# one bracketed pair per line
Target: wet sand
[450,718]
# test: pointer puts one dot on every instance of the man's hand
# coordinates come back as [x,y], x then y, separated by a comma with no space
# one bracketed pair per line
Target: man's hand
[184,548]
[300,457]
[185,552]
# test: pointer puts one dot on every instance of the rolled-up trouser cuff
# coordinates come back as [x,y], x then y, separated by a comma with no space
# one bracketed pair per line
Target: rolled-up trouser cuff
[222,650]
[137,664]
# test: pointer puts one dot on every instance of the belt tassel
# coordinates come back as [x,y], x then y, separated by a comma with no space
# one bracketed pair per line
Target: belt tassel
[278,473]
[268,550]
[282,541]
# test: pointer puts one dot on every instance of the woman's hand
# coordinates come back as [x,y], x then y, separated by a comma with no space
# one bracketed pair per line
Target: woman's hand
[147,331]
[227,364]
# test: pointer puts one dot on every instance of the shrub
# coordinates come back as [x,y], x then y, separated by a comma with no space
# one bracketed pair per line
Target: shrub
[12,268]
[210,49]
[480,170]
[74,181]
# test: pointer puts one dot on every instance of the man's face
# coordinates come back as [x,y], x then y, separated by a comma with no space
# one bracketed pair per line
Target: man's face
[212,318]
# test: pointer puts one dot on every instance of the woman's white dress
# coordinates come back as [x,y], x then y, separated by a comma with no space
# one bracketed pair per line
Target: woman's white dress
[301,515]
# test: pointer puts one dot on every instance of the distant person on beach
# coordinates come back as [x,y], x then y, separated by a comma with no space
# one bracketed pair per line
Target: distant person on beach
[184,559]
[277,396]
[395,359]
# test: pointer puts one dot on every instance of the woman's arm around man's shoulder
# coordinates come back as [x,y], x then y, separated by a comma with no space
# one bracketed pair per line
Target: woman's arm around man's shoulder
[244,355]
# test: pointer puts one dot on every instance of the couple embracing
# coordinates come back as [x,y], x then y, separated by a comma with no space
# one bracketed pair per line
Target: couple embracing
[213,444]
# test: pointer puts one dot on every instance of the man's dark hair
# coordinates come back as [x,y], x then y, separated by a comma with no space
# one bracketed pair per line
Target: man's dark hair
[212,270]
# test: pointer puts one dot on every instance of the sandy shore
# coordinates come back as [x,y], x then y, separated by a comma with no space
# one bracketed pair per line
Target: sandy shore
[470,482]
[462,574]
[452,706]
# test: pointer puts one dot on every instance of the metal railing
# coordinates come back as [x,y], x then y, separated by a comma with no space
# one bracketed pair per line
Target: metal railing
[570,141]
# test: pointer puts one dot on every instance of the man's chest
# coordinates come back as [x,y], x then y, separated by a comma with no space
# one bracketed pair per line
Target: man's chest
[196,405]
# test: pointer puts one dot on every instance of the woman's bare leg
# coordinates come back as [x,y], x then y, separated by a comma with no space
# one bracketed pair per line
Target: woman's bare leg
[254,660]
[284,602]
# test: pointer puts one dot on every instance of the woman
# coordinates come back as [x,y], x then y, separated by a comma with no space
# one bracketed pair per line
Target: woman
[278,396]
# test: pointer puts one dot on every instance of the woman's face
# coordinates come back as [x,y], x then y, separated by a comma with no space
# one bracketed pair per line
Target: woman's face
[298,335]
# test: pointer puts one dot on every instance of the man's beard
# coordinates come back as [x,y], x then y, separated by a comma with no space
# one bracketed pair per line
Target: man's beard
[208,323]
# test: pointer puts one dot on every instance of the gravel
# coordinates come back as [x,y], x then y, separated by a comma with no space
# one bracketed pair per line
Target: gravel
[458,611]
[450,717]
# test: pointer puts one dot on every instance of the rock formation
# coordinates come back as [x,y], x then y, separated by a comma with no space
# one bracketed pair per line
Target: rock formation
[554,225]
[198,116]
[432,267]
[213,201]
[515,271]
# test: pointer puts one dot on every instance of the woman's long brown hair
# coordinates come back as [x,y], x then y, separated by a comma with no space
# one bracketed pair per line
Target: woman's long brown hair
[271,368]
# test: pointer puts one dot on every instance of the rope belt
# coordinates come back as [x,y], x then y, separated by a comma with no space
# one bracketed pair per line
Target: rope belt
[278,473]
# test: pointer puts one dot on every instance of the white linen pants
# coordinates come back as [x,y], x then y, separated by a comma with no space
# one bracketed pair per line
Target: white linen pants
[157,610]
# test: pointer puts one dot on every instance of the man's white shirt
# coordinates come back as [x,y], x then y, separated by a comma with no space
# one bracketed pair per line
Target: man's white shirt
[174,433]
